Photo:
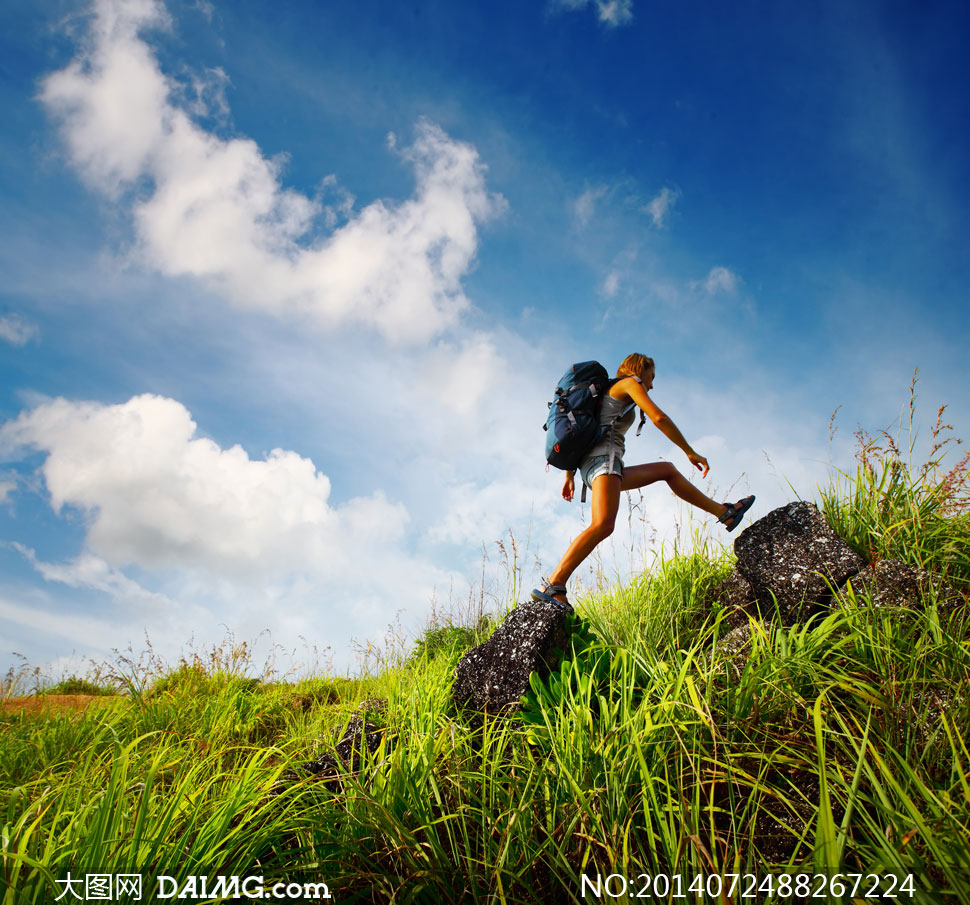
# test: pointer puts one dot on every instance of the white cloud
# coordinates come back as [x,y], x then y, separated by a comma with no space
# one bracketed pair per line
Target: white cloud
[611,284]
[660,206]
[615,12]
[91,572]
[79,629]
[158,496]
[342,204]
[621,271]
[205,93]
[585,205]
[609,12]
[186,537]
[15,330]
[205,8]
[215,210]
[719,279]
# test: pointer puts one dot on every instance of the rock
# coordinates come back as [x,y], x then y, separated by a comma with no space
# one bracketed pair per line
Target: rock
[786,800]
[892,582]
[781,820]
[734,596]
[348,752]
[493,677]
[736,645]
[793,554]
[735,591]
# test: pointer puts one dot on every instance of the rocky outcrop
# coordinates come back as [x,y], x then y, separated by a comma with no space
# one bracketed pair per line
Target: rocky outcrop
[790,563]
[734,592]
[892,582]
[360,735]
[793,556]
[493,677]
[790,556]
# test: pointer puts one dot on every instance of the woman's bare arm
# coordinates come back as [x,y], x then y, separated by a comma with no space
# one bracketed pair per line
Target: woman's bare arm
[569,486]
[638,394]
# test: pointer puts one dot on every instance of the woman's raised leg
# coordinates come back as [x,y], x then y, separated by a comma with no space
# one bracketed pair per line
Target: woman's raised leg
[641,475]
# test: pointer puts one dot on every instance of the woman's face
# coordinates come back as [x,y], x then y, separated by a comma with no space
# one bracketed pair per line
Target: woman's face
[646,377]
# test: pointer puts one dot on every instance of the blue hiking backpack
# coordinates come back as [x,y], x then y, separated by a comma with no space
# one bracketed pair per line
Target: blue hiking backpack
[573,425]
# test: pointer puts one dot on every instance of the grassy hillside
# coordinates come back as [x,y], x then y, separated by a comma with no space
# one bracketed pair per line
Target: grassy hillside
[838,746]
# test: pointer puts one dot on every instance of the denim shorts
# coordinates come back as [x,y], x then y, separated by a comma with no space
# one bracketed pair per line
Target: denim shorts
[597,465]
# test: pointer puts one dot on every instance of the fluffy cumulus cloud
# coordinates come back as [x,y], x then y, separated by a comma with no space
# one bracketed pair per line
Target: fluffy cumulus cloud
[185,537]
[157,495]
[215,209]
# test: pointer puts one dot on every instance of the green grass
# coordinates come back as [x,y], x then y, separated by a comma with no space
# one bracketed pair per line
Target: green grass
[838,746]
[81,685]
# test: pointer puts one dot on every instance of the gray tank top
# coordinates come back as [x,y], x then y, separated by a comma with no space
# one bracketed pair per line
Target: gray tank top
[609,410]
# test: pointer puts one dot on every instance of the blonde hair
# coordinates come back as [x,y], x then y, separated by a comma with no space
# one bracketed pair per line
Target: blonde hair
[634,365]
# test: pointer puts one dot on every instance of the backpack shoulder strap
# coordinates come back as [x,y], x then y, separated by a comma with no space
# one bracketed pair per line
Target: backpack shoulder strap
[632,406]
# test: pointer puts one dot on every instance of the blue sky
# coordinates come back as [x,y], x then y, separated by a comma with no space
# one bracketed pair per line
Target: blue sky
[286,288]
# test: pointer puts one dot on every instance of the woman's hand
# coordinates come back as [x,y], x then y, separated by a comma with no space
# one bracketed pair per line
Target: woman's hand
[569,487]
[698,461]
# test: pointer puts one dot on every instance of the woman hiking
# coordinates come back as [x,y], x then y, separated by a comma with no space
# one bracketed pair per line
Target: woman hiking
[602,470]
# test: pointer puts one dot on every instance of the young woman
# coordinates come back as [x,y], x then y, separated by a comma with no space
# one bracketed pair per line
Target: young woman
[603,472]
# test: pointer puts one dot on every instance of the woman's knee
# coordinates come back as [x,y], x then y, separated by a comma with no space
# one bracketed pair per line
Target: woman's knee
[602,530]
[670,472]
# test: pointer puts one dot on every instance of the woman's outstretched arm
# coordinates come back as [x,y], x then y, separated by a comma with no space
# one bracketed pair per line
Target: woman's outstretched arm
[638,393]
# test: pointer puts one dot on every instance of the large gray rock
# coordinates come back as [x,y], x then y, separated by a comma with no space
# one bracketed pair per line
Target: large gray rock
[892,582]
[793,554]
[493,677]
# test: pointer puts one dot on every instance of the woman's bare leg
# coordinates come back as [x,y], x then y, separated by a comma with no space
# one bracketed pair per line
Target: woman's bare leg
[605,504]
[641,475]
